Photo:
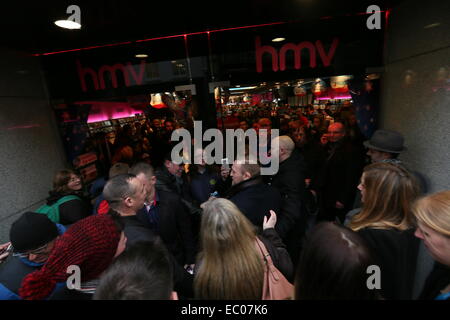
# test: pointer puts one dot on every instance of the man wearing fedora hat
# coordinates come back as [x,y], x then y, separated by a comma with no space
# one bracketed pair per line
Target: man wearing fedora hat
[385,145]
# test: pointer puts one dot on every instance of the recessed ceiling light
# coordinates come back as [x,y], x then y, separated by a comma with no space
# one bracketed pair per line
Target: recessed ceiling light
[67,24]
[432,25]
[141,55]
[278,39]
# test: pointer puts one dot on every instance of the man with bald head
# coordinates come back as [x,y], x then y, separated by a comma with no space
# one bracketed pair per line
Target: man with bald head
[290,182]
[339,176]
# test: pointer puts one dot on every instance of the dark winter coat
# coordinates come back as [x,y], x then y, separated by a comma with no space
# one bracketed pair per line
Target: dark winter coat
[136,231]
[174,226]
[290,182]
[255,199]
[165,181]
[340,175]
[396,254]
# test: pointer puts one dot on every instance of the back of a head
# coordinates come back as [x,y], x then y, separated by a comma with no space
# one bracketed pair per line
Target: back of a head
[90,243]
[142,167]
[229,265]
[142,272]
[390,191]
[434,212]
[118,168]
[333,265]
[284,142]
[118,188]
[222,224]
[31,231]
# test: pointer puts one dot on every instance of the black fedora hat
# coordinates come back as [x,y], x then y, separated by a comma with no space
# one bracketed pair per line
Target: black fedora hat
[386,141]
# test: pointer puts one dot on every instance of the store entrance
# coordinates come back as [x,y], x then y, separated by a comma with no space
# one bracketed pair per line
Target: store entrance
[283,102]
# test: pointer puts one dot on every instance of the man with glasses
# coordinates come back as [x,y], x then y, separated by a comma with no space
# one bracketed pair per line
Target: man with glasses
[32,237]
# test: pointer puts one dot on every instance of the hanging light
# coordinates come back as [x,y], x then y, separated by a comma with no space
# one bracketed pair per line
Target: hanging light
[73,21]
[67,24]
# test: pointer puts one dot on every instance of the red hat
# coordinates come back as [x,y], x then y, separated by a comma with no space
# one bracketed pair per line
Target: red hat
[90,244]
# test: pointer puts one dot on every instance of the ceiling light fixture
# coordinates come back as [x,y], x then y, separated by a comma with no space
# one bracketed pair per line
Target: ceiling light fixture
[432,25]
[67,24]
[141,55]
[243,88]
[278,39]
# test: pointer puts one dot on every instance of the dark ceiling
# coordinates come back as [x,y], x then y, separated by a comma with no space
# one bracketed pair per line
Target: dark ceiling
[29,26]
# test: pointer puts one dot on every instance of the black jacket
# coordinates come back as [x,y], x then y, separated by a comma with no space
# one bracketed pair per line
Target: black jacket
[255,199]
[340,175]
[290,182]
[136,231]
[174,226]
[165,181]
[70,211]
[315,155]
[396,255]
[277,250]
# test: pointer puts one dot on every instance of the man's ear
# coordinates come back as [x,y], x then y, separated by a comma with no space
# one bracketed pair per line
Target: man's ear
[128,202]
[247,175]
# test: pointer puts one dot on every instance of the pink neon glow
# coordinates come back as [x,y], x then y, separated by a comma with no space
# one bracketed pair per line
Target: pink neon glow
[335,98]
[24,127]
[103,110]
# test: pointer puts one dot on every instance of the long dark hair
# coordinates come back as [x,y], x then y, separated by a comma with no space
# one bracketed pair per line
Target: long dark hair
[333,265]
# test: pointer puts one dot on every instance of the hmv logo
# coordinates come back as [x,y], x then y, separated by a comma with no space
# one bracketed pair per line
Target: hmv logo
[127,71]
[279,58]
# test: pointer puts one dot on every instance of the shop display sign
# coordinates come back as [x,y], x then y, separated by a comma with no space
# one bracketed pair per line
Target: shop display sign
[89,173]
[84,159]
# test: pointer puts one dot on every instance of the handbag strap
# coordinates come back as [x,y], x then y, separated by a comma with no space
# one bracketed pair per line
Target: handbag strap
[265,253]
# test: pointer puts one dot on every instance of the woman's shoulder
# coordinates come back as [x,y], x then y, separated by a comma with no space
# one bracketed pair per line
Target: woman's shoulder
[390,238]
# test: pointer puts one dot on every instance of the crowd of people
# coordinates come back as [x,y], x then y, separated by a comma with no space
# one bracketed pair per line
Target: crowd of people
[151,228]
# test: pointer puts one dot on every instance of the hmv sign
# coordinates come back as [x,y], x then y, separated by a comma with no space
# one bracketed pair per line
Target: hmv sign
[126,74]
[315,51]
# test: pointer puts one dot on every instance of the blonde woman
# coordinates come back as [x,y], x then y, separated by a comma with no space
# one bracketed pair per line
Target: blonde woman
[386,223]
[433,227]
[229,267]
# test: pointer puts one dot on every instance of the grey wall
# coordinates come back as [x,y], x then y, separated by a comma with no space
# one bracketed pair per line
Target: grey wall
[415,87]
[31,150]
